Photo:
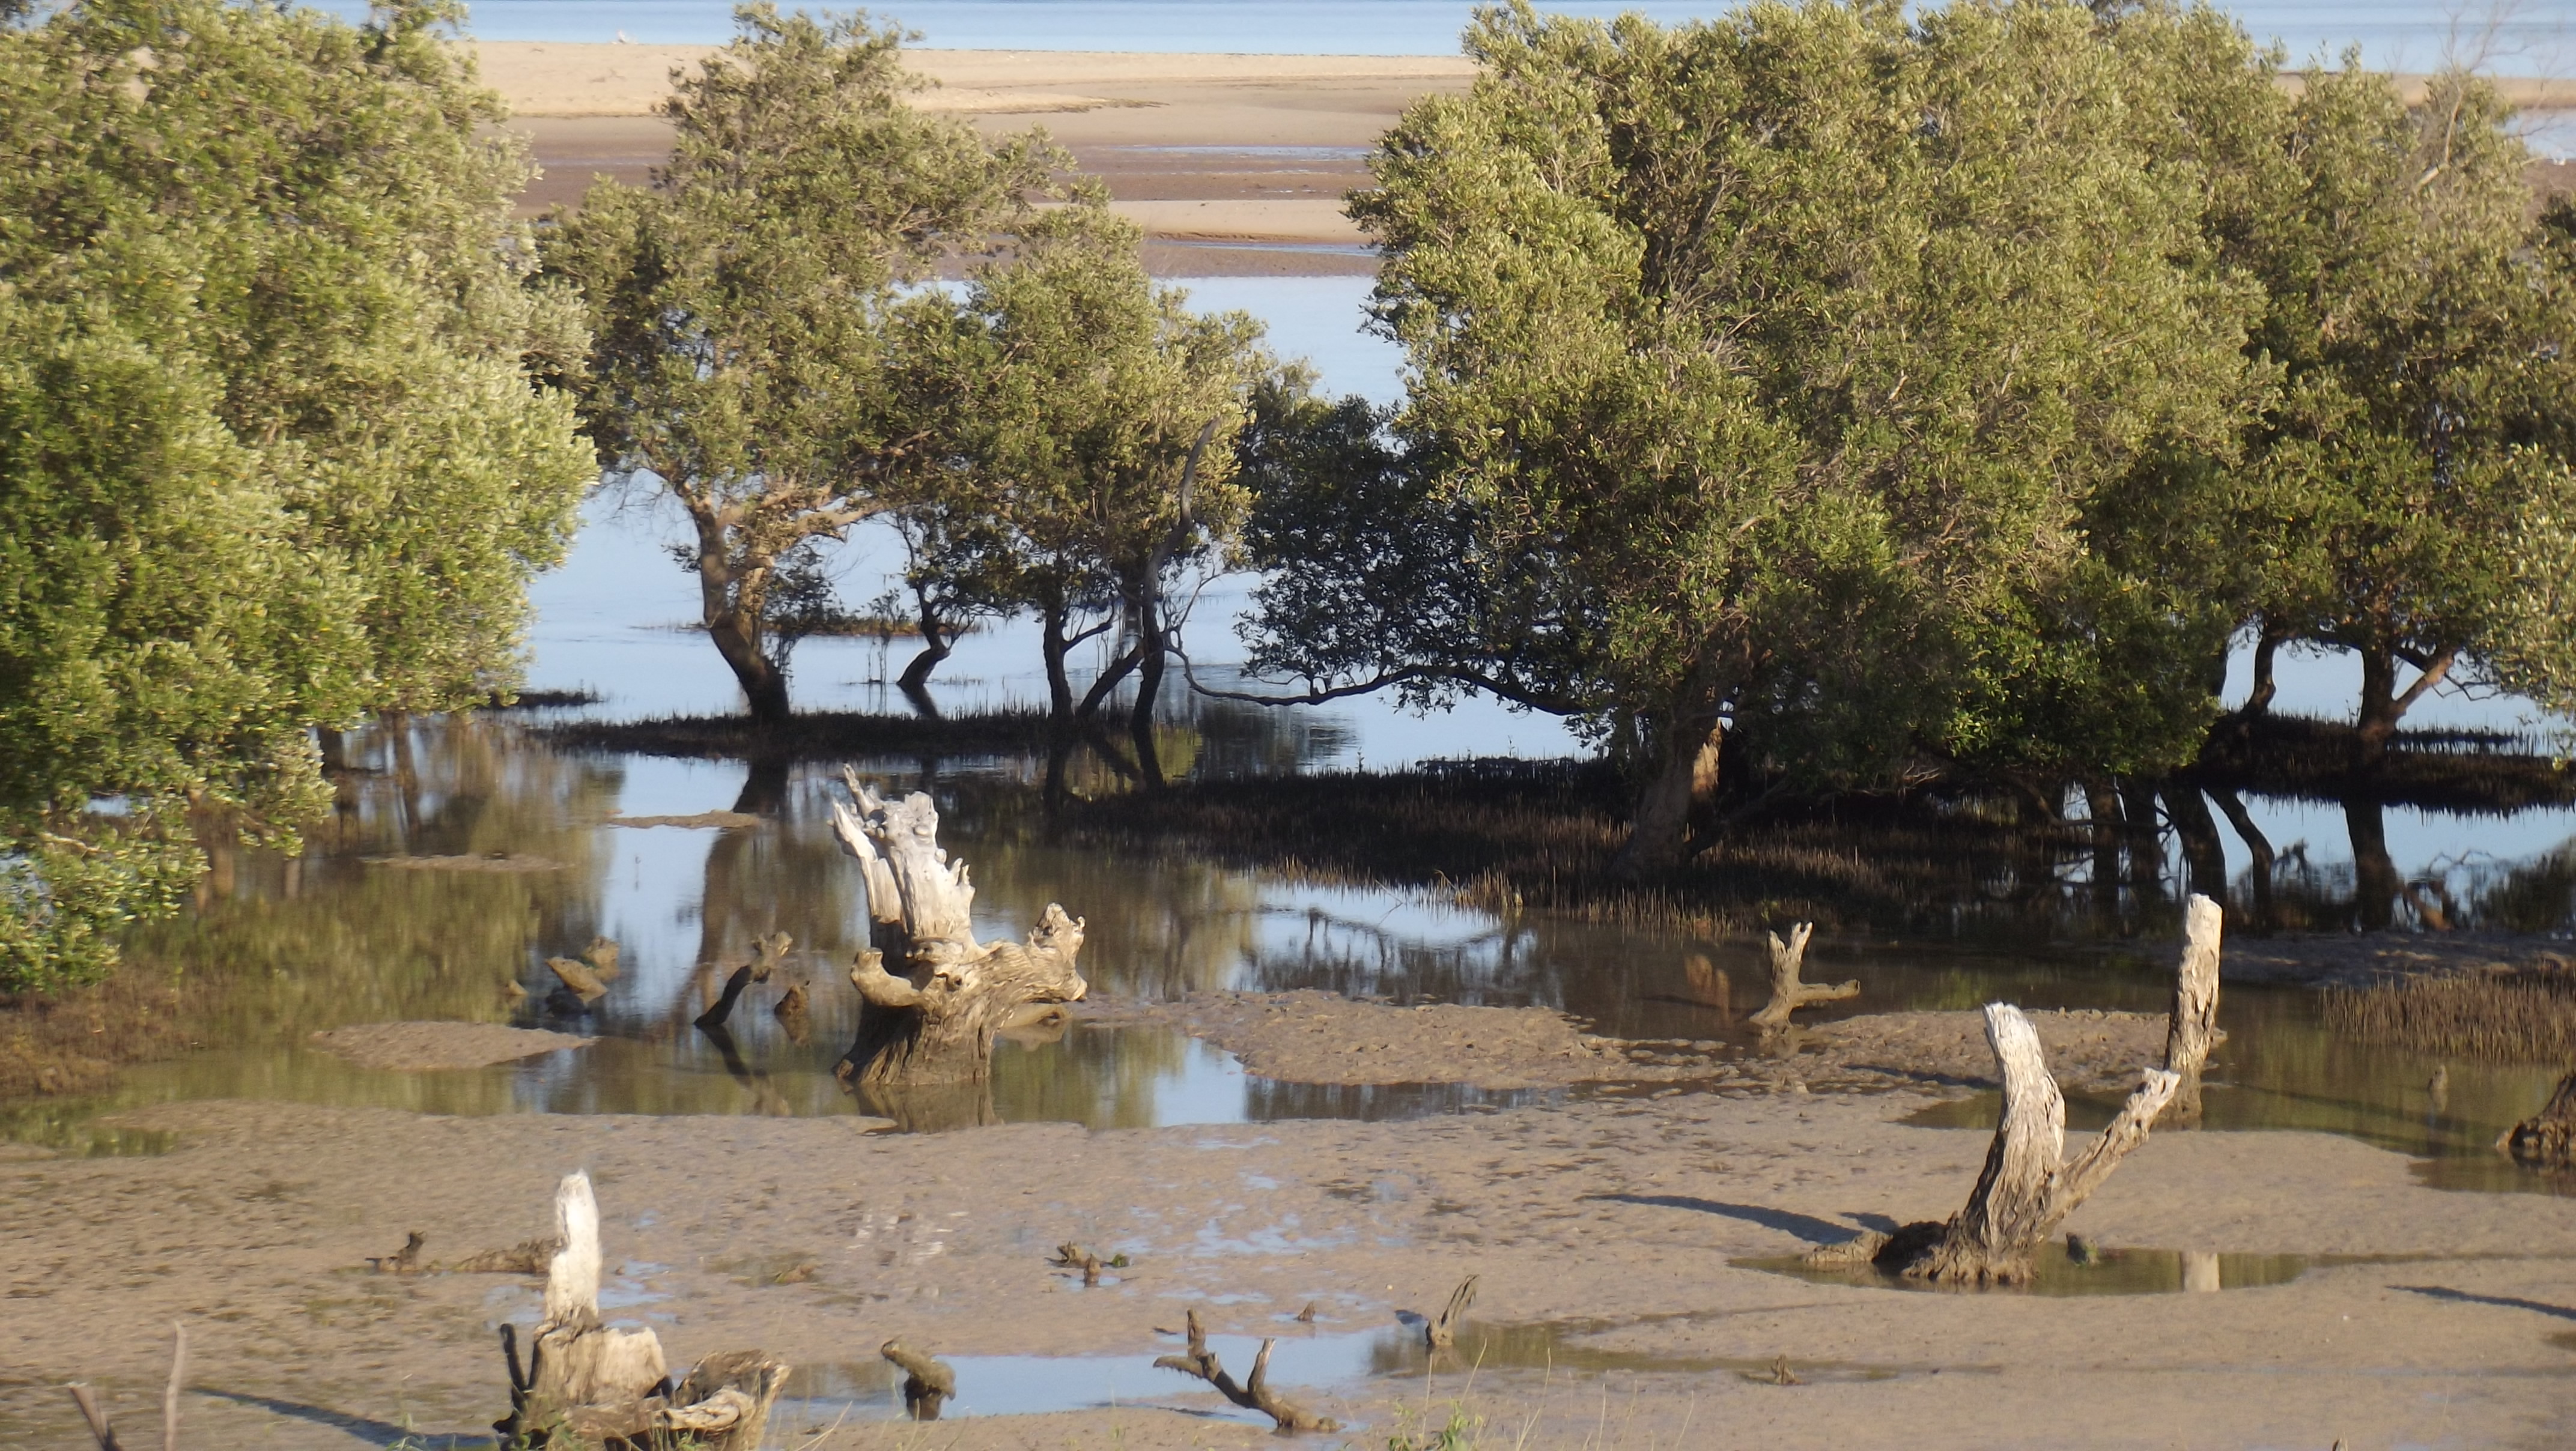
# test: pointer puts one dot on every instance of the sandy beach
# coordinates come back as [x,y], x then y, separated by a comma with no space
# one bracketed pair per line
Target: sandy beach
[1234,164]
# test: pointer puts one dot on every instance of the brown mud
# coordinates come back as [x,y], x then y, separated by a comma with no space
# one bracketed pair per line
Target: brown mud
[1317,1037]
[416,1047]
[1606,1230]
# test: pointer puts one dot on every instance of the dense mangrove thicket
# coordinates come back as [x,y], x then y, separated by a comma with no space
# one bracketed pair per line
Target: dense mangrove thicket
[1835,397]
[271,449]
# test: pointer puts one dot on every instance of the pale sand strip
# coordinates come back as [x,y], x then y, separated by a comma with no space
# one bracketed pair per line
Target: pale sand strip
[547,78]
[1291,220]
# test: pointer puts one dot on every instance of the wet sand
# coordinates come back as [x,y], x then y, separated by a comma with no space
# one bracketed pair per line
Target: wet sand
[1235,165]
[1603,1231]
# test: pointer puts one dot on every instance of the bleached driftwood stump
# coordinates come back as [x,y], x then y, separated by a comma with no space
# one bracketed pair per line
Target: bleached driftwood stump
[932,1019]
[2026,1189]
[1788,993]
[589,1385]
[2193,1026]
[2548,1138]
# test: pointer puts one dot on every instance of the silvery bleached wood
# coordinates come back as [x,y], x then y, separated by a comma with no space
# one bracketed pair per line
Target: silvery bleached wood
[932,1019]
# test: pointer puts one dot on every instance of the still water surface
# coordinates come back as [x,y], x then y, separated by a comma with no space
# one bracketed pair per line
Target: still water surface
[340,936]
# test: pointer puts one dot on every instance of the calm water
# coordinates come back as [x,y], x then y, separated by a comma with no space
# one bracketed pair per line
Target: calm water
[283,949]
[2392,34]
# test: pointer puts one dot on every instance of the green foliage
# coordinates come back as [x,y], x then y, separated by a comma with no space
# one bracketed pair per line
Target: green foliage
[2412,487]
[269,451]
[1773,368]
[741,306]
[1072,395]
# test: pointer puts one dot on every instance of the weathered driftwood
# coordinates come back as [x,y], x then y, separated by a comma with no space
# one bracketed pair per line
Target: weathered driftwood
[1788,994]
[2024,1191]
[1444,1330]
[586,1384]
[528,1257]
[404,1261]
[588,977]
[792,1014]
[768,952]
[928,1381]
[2547,1138]
[1071,1256]
[714,1017]
[2193,1025]
[933,1019]
[95,1415]
[1254,1394]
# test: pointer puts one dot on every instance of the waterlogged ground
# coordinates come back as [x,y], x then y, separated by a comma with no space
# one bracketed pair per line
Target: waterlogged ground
[466,854]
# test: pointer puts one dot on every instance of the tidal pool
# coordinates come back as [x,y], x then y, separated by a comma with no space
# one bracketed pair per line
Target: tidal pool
[279,949]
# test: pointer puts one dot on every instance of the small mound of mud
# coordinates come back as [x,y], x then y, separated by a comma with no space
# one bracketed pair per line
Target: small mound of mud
[2087,1048]
[411,1047]
[1310,1036]
[494,862]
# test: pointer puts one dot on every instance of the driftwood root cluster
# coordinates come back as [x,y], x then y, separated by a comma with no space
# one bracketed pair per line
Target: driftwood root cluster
[1253,1394]
[2028,1187]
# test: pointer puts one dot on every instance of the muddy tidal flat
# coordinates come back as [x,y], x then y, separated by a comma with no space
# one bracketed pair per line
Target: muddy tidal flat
[1609,1235]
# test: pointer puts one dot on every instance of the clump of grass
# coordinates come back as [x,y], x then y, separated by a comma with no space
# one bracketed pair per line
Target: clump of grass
[1544,836]
[2510,1018]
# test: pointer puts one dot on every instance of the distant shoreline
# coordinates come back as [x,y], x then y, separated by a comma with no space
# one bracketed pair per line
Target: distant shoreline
[1234,164]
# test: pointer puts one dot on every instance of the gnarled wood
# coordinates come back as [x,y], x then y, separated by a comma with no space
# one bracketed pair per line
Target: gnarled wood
[2193,1026]
[2547,1138]
[933,1017]
[1254,1394]
[1444,1330]
[1788,994]
[927,1380]
[2024,1192]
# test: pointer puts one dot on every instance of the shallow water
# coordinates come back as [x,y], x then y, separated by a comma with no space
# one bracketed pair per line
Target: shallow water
[282,949]
[2056,1272]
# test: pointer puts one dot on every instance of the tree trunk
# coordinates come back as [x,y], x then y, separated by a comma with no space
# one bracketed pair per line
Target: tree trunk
[2102,805]
[2267,645]
[1788,993]
[2258,847]
[2203,854]
[1688,769]
[936,643]
[2383,705]
[2377,721]
[2146,840]
[729,599]
[1149,692]
[2192,1022]
[2374,872]
[2024,1192]
[933,1021]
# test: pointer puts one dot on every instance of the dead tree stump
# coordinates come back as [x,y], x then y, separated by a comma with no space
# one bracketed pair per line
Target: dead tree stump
[586,1384]
[1254,1394]
[933,1019]
[2547,1139]
[2193,1026]
[1788,994]
[928,1381]
[2024,1192]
